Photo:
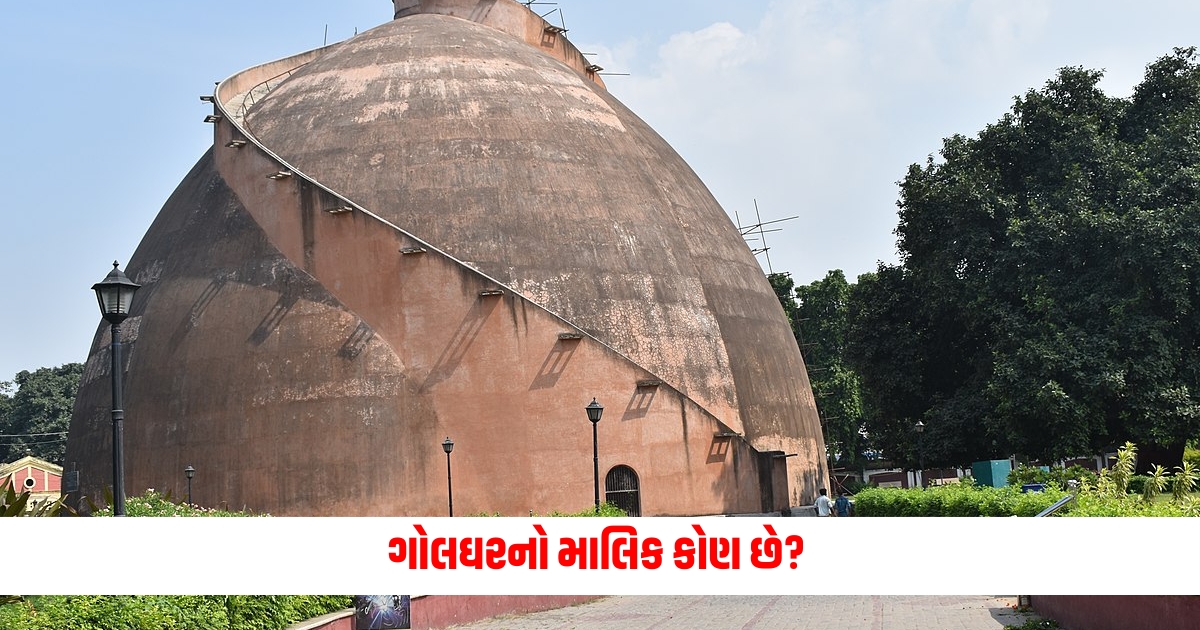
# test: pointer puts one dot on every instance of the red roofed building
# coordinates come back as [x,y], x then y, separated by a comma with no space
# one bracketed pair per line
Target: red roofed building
[41,478]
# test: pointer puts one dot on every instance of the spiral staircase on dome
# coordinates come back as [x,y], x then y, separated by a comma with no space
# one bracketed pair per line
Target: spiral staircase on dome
[464,161]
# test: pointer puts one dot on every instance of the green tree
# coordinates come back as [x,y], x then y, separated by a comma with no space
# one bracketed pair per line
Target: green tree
[6,392]
[822,324]
[785,291]
[38,414]
[1048,297]
[818,315]
[909,353]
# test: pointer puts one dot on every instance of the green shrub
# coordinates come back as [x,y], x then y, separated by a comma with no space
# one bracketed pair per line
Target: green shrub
[953,500]
[996,501]
[1075,473]
[1057,476]
[1122,469]
[1156,482]
[854,485]
[960,500]
[1183,482]
[1099,495]
[1091,504]
[252,612]
[214,612]
[877,502]
[607,510]
[1025,473]
[1032,503]
[1192,454]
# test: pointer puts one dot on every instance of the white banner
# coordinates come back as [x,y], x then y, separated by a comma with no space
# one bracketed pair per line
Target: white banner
[593,556]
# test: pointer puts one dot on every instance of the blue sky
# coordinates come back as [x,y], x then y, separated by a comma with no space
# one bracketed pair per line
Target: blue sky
[813,108]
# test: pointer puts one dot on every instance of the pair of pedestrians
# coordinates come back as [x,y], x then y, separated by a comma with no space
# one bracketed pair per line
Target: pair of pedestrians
[838,507]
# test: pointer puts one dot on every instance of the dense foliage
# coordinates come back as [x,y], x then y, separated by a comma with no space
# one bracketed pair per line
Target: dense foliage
[607,510]
[1192,454]
[1110,493]
[960,499]
[218,612]
[1129,505]
[969,500]
[1057,476]
[35,412]
[214,612]
[818,313]
[1048,297]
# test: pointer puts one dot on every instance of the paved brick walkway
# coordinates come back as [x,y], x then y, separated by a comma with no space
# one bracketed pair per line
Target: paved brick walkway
[769,612]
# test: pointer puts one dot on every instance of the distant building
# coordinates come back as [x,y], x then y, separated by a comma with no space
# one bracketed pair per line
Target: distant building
[41,478]
[446,226]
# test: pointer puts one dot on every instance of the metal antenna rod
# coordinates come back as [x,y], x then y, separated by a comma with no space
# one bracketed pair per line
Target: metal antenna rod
[763,236]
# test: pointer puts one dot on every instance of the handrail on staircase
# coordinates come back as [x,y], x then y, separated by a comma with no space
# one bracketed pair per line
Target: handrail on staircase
[241,111]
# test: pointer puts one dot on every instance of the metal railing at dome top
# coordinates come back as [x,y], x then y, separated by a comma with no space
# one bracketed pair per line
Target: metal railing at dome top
[262,89]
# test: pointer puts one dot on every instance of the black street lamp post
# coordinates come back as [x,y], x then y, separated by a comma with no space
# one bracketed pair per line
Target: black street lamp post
[189,472]
[448,445]
[115,294]
[920,428]
[594,411]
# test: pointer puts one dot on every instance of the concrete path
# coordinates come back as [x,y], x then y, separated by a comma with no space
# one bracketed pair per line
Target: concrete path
[769,612]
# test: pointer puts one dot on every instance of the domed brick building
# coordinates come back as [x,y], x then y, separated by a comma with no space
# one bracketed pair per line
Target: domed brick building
[447,227]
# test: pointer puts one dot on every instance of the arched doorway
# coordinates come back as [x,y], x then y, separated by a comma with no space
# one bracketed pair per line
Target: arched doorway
[621,490]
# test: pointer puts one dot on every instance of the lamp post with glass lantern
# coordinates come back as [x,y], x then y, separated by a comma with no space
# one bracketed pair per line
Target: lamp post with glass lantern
[115,294]
[189,472]
[594,411]
[448,445]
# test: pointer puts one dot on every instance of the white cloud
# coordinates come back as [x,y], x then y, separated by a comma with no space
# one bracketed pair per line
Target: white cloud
[721,46]
[818,108]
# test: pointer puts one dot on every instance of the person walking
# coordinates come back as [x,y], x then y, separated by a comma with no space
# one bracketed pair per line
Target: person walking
[824,507]
[841,505]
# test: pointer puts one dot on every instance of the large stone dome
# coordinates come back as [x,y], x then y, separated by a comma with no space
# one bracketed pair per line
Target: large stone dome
[515,242]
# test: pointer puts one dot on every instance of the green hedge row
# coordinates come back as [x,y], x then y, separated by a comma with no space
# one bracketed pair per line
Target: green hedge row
[214,612]
[969,500]
[1088,504]
[953,500]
